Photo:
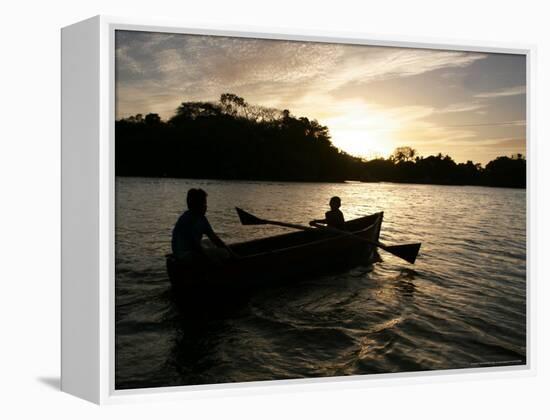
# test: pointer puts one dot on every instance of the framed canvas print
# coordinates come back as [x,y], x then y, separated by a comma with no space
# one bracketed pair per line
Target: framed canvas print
[243,209]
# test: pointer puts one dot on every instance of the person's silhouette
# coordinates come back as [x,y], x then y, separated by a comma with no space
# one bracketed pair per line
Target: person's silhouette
[334,217]
[190,228]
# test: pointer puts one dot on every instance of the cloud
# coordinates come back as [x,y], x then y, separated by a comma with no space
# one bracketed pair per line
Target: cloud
[268,71]
[462,107]
[511,91]
[378,63]
[433,100]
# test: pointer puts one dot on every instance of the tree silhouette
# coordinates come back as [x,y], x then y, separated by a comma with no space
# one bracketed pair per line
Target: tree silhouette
[231,139]
[507,171]
[403,154]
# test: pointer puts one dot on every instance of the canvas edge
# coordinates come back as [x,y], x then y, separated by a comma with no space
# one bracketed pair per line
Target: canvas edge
[80,306]
[108,394]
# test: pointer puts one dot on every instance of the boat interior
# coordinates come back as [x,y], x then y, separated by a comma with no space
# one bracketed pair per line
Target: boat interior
[293,239]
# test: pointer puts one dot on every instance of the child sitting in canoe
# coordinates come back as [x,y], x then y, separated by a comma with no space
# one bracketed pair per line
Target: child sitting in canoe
[334,217]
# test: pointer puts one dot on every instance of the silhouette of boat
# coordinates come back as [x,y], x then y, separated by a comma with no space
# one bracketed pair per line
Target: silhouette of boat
[282,258]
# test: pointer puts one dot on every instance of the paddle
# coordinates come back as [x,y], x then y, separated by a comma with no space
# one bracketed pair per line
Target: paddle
[407,252]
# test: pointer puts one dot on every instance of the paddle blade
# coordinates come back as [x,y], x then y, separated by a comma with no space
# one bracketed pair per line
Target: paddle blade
[249,219]
[407,252]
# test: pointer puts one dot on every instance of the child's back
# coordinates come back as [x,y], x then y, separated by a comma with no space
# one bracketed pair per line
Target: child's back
[335,218]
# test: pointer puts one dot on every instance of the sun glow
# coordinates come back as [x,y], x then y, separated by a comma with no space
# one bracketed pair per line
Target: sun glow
[363,131]
[362,144]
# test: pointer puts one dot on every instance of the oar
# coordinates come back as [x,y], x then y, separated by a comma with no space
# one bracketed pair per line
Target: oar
[407,252]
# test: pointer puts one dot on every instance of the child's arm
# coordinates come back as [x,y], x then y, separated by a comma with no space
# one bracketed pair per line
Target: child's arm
[323,221]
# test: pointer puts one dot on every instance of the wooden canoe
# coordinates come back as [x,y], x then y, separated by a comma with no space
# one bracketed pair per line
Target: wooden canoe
[282,258]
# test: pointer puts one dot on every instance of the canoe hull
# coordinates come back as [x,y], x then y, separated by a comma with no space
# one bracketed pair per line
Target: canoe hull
[282,258]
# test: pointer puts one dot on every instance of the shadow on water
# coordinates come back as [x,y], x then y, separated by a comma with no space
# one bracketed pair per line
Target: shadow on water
[304,329]
[200,330]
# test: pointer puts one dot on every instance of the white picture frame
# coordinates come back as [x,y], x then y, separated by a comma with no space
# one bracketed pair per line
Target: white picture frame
[88,116]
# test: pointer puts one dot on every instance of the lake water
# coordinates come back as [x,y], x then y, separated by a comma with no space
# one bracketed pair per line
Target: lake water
[462,305]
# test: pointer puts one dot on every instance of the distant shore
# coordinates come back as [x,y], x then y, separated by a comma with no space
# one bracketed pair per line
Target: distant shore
[345,181]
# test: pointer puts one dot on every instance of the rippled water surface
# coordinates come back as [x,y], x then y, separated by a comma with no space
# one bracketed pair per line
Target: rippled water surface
[463,303]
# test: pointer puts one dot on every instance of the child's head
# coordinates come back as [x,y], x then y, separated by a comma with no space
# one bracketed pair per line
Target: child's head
[335,203]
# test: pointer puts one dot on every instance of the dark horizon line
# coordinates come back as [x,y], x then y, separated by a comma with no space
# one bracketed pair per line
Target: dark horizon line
[320,182]
[365,159]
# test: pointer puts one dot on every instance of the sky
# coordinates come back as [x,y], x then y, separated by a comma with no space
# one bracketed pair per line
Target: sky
[471,106]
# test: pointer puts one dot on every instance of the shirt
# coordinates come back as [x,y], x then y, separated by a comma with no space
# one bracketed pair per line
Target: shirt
[187,233]
[335,219]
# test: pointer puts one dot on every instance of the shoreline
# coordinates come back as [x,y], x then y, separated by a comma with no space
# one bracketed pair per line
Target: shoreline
[346,181]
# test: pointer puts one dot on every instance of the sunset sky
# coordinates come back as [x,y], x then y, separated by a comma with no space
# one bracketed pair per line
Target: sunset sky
[471,106]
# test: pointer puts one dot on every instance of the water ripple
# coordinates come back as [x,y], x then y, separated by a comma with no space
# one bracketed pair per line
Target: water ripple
[461,305]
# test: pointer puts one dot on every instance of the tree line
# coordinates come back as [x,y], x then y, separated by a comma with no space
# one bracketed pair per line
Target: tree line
[231,139]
